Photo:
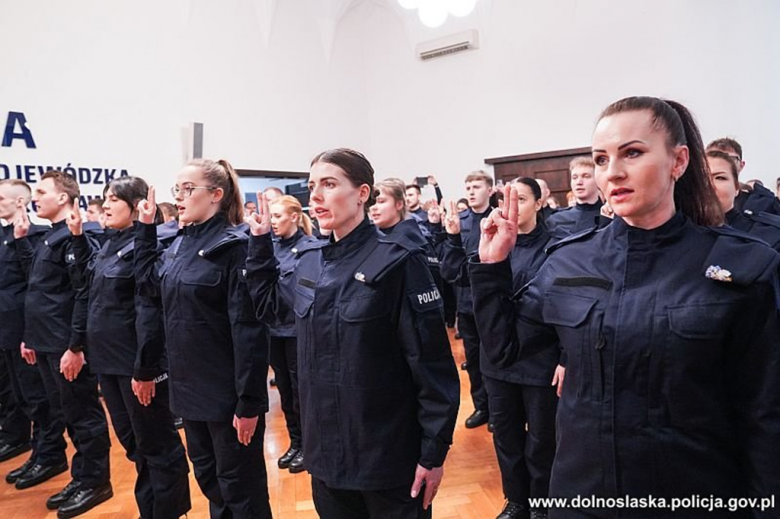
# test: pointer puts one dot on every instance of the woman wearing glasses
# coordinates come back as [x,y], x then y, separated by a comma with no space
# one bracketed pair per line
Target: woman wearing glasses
[217,350]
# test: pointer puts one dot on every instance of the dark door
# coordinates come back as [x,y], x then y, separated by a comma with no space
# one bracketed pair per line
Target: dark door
[550,166]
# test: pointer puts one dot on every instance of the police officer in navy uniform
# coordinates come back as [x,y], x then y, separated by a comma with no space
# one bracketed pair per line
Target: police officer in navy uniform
[520,393]
[378,386]
[756,199]
[126,350]
[585,214]
[388,214]
[25,400]
[292,232]
[54,315]
[217,350]
[669,329]
[462,230]
[723,173]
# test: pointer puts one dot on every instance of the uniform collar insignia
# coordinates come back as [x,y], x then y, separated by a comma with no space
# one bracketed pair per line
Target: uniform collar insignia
[718,274]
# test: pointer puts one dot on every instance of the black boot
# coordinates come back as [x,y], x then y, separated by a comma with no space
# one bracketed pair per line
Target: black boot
[58,499]
[39,473]
[513,511]
[18,472]
[287,457]
[11,451]
[296,465]
[85,499]
[476,419]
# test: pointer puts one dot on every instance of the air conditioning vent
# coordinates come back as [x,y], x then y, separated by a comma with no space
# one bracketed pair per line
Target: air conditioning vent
[448,45]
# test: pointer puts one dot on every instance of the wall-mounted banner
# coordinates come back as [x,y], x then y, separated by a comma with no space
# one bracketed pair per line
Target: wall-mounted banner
[17,133]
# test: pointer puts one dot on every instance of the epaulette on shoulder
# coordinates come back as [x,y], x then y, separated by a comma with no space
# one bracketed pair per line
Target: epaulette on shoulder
[406,234]
[577,236]
[232,236]
[763,217]
[385,257]
[308,245]
[38,229]
[738,258]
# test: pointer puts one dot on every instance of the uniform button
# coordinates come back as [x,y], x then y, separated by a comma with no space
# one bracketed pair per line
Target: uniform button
[119,253]
[295,251]
[5,242]
[200,253]
[360,277]
[46,243]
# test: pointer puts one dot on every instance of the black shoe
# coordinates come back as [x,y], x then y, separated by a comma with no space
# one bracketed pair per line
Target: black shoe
[11,451]
[18,472]
[58,499]
[476,419]
[83,500]
[287,457]
[178,422]
[296,465]
[513,511]
[458,336]
[491,427]
[464,366]
[39,473]
[538,514]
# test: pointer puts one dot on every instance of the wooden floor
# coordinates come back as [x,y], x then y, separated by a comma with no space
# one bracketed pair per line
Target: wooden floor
[471,487]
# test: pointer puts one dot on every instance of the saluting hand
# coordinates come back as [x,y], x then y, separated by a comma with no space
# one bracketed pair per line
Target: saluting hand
[432,479]
[143,390]
[260,222]
[71,364]
[147,208]
[499,229]
[245,429]
[74,219]
[21,221]
[560,374]
[452,220]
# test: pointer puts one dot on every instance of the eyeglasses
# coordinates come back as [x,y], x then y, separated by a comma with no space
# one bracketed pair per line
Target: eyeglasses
[187,190]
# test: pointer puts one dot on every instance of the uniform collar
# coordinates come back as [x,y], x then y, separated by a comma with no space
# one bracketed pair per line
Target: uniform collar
[589,207]
[215,222]
[732,216]
[56,226]
[527,240]
[286,242]
[669,232]
[349,243]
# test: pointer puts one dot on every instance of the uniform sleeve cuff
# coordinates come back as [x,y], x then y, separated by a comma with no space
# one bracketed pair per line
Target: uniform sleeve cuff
[146,374]
[455,239]
[146,232]
[433,453]
[249,408]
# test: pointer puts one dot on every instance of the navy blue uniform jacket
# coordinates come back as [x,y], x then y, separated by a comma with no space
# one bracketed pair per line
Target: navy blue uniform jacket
[673,367]
[378,386]
[217,350]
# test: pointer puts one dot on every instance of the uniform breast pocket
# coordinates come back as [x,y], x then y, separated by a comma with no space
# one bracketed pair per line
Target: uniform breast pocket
[367,351]
[577,322]
[201,285]
[696,333]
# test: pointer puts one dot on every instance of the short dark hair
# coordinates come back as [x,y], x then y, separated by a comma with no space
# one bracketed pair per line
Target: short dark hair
[726,143]
[355,166]
[415,187]
[97,202]
[64,183]
[169,209]
[131,190]
[246,204]
[533,185]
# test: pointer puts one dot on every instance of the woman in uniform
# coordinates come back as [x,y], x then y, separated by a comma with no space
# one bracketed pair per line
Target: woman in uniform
[520,393]
[126,350]
[378,386]
[217,351]
[389,215]
[724,175]
[668,324]
[292,231]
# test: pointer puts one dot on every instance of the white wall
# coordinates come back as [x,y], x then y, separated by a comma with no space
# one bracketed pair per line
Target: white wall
[114,84]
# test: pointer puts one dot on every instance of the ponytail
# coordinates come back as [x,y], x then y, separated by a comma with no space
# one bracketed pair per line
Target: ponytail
[293,206]
[693,192]
[221,174]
